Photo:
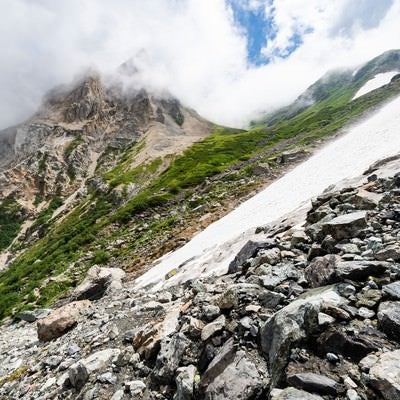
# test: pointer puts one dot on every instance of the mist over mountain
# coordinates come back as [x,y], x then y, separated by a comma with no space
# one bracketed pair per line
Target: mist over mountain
[200,200]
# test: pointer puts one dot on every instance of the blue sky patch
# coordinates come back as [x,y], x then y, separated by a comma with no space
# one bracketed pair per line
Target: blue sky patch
[259,30]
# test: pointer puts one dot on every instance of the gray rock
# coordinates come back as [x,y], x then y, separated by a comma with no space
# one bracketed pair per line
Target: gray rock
[322,270]
[314,383]
[385,375]
[210,311]
[135,388]
[239,380]
[34,315]
[354,345]
[107,377]
[78,375]
[389,252]
[80,371]
[291,393]
[351,394]
[270,256]
[185,382]
[292,324]
[346,226]
[330,269]
[246,252]
[118,395]
[389,318]
[170,356]
[213,327]
[97,281]
[392,290]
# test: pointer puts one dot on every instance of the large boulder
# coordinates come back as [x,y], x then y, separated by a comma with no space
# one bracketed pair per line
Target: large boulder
[61,320]
[97,281]
[231,375]
[346,226]
[291,325]
[385,375]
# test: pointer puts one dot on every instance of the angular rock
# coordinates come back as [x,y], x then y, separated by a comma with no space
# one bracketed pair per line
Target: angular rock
[392,290]
[322,270]
[312,382]
[329,269]
[169,357]
[389,318]
[354,345]
[246,252]
[185,382]
[346,226]
[237,378]
[388,252]
[61,320]
[290,325]
[385,375]
[97,281]
[213,327]
[34,315]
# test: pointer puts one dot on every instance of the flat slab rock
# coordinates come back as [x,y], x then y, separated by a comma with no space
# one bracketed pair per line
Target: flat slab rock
[315,383]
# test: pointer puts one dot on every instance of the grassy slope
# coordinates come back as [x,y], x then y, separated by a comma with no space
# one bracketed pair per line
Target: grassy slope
[64,244]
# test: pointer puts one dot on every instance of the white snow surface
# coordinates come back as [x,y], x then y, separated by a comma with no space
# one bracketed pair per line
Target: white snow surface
[210,251]
[376,82]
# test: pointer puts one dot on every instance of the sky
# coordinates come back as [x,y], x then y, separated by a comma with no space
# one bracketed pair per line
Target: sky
[230,60]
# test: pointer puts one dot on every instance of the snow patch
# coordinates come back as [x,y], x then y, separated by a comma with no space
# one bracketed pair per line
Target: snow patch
[376,82]
[211,251]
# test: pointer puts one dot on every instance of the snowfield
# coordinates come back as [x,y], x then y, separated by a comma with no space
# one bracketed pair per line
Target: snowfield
[211,251]
[376,82]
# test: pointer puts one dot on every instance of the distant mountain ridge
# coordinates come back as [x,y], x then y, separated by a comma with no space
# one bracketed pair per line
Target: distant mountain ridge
[335,83]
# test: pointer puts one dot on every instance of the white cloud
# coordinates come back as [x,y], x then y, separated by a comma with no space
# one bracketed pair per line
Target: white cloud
[190,47]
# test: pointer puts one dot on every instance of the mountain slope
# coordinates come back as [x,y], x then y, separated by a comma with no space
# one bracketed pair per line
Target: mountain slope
[104,176]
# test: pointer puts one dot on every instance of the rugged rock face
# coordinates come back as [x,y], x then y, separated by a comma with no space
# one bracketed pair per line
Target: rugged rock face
[60,146]
[283,324]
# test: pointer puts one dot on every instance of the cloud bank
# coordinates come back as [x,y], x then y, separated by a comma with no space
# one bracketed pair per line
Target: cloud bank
[195,49]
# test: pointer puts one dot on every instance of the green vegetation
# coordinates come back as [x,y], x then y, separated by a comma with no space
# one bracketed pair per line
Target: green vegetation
[51,256]
[73,145]
[13,376]
[140,175]
[11,219]
[328,116]
[46,214]
[101,257]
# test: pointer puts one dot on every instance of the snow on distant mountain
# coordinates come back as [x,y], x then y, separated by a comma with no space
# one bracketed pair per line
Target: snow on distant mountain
[376,82]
